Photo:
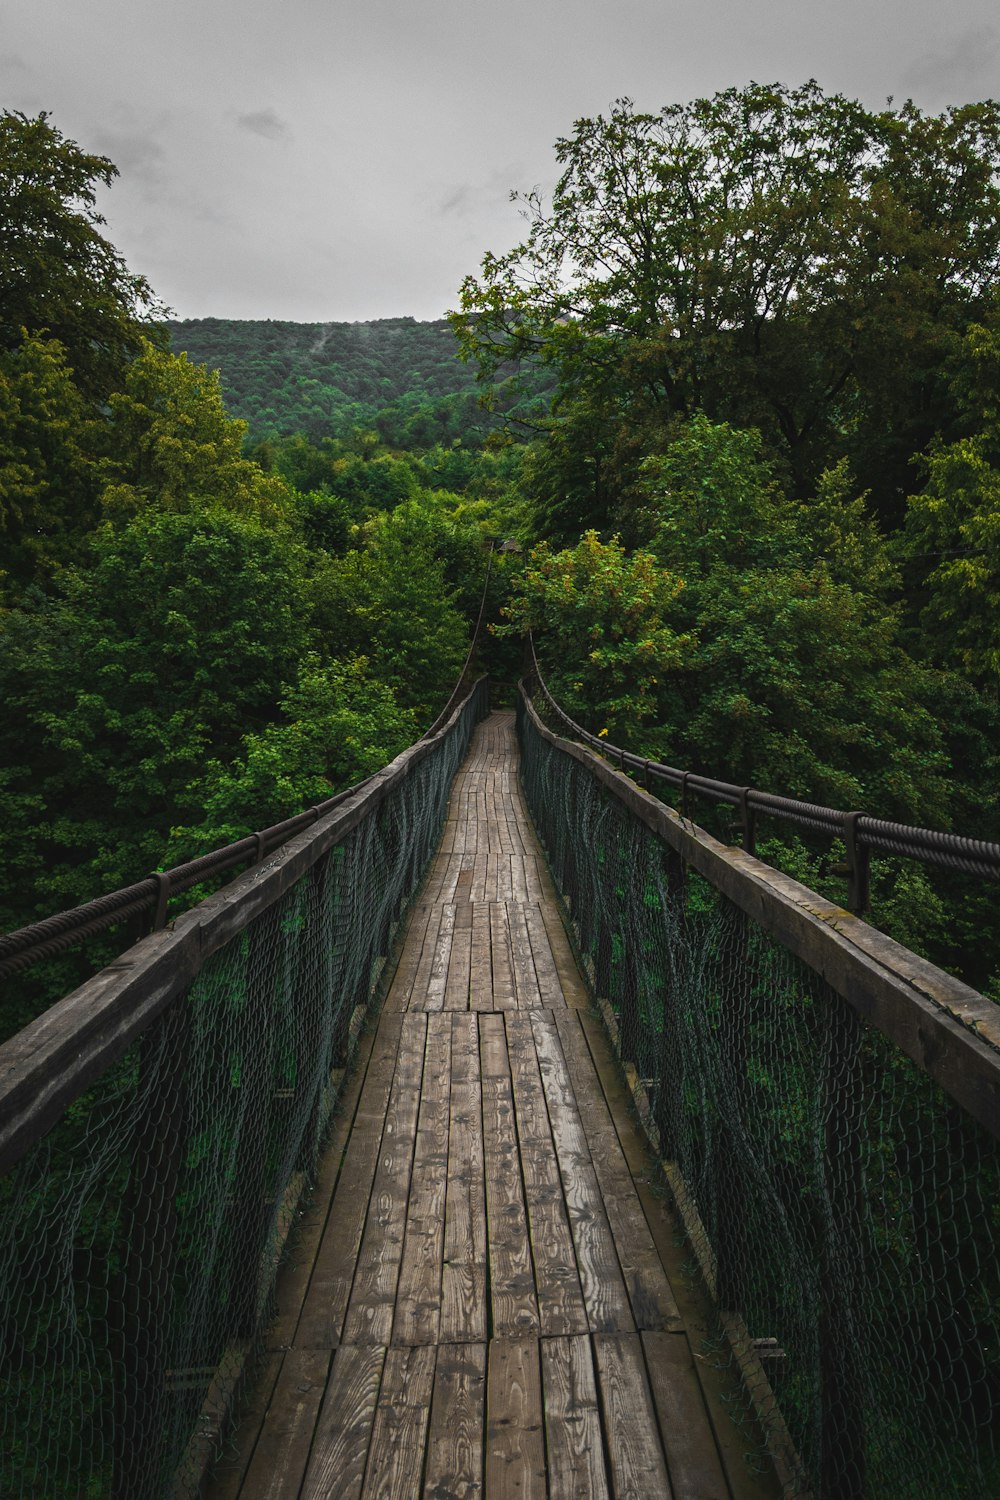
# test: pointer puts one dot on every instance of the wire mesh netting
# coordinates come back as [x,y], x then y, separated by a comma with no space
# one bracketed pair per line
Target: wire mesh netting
[140,1238]
[845,1212]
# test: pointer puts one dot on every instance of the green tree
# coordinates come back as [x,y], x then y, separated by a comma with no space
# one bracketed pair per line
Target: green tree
[762,255]
[952,535]
[337,725]
[172,445]
[57,272]
[606,647]
[48,474]
[389,601]
[166,650]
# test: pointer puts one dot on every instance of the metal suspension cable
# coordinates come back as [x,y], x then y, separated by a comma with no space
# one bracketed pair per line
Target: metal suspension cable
[862,833]
[22,949]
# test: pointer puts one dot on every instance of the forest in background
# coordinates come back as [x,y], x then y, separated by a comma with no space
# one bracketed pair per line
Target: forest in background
[739,386]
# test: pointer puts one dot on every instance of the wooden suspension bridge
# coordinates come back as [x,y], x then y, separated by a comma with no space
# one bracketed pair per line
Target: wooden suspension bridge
[487,1295]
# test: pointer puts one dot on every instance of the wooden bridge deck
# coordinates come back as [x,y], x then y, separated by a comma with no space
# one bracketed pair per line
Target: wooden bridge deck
[485,1295]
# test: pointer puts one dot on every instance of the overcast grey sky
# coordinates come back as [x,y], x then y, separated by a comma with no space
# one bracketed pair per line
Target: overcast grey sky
[348,159]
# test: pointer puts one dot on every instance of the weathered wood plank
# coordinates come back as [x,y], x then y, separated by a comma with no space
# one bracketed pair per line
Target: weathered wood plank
[604,1294]
[399,1434]
[500,952]
[549,987]
[422,919]
[514,1306]
[433,994]
[463,1285]
[230,1472]
[636,1459]
[557,1282]
[650,1294]
[455,1449]
[418,1295]
[481,969]
[294,1277]
[370,1309]
[325,1305]
[344,1427]
[456,994]
[692,1457]
[285,1442]
[572,1421]
[515,1447]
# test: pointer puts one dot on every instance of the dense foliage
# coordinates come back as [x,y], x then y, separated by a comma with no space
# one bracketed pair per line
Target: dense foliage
[200,635]
[774,321]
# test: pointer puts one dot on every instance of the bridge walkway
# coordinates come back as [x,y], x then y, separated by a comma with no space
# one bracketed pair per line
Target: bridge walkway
[487,1294]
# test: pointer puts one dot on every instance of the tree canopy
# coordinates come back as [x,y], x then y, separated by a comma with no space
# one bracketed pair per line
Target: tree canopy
[765,256]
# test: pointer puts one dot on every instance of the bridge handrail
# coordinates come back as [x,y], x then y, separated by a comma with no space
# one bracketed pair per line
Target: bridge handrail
[862,833]
[46,1066]
[947,1028]
[23,948]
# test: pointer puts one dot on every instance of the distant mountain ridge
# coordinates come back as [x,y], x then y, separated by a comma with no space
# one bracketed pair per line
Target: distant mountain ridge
[397,376]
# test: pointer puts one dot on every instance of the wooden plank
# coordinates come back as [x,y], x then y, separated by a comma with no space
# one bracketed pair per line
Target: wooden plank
[415,998]
[326,1299]
[522,962]
[692,1457]
[636,1459]
[456,993]
[571,981]
[481,971]
[230,1472]
[418,1295]
[500,954]
[649,1290]
[549,986]
[344,1428]
[513,1302]
[294,1276]
[399,1435]
[604,1294]
[515,1448]
[574,1443]
[463,1284]
[557,1283]
[282,1452]
[370,1309]
[422,918]
[437,980]
[721,1388]
[455,1448]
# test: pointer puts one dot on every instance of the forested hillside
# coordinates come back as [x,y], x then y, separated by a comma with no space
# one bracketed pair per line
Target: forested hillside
[400,378]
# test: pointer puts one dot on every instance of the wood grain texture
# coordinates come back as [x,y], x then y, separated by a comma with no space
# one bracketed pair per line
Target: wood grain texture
[515,1445]
[344,1427]
[455,1447]
[635,1455]
[692,1457]
[572,1421]
[399,1433]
